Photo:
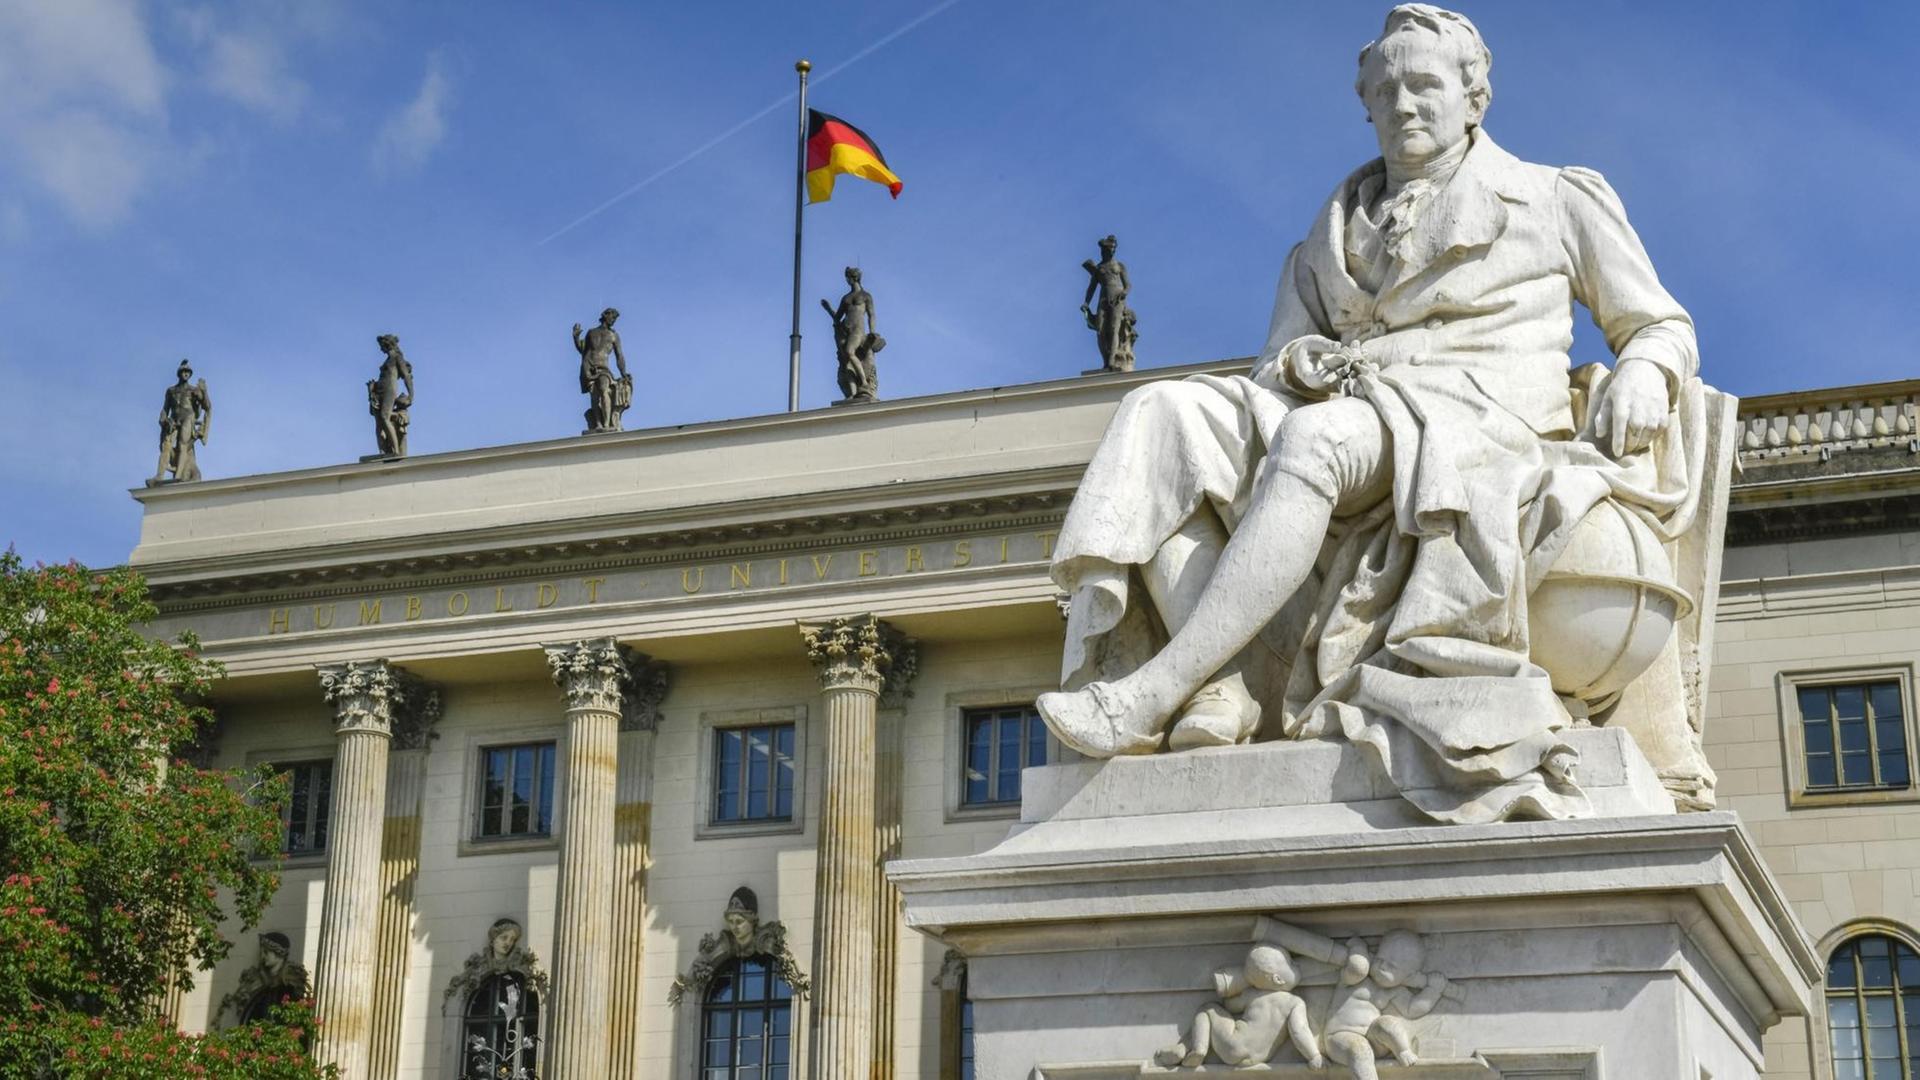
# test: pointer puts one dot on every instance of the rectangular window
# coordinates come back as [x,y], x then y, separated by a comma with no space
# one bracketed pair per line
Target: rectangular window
[1854,737]
[303,817]
[753,773]
[516,791]
[999,742]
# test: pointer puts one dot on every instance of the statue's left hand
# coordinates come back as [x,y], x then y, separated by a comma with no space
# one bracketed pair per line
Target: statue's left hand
[1633,409]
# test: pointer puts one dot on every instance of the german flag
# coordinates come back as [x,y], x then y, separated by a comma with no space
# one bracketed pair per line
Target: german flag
[834,147]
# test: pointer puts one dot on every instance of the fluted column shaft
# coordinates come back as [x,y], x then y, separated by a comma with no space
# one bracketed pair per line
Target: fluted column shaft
[399,868]
[363,697]
[632,824]
[854,657]
[595,678]
[886,952]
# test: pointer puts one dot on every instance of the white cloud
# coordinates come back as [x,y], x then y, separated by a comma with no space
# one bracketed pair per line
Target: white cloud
[412,133]
[247,66]
[82,102]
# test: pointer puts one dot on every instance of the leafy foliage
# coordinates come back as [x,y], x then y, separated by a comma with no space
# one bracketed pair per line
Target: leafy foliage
[119,859]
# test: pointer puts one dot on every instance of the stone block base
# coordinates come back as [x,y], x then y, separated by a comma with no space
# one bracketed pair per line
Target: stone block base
[1639,945]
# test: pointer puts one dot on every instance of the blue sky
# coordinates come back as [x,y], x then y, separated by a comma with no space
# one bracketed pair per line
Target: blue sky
[265,186]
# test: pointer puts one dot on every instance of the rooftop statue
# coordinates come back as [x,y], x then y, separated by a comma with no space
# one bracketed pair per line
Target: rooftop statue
[857,340]
[1112,321]
[1348,541]
[608,398]
[389,396]
[185,412]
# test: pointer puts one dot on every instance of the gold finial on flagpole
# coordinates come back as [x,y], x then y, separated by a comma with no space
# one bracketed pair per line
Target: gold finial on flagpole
[802,66]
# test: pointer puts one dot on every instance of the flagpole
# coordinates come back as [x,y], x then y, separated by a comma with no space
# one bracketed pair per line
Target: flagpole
[799,204]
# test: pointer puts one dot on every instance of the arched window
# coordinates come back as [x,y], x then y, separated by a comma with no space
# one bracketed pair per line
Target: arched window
[1873,1009]
[500,1032]
[747,1023]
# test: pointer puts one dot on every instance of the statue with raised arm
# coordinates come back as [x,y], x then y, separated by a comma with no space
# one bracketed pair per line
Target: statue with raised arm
[608,396]
[1112,321]
[185,412]
[856,340]
[389,396]
[1343,542]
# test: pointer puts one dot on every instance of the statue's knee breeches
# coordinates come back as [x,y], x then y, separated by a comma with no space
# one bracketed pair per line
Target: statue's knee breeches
[1340,448]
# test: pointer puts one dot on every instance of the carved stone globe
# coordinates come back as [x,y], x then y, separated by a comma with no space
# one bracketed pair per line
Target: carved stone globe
[1601,616]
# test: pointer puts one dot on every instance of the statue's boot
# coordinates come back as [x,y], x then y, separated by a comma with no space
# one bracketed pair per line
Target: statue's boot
[1222,713]
[1101,720]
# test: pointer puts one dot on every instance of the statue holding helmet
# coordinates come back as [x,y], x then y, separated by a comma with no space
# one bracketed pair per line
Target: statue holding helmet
[1412,525]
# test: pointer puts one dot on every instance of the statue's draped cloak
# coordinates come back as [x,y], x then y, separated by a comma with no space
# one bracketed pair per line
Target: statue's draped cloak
[1410,639]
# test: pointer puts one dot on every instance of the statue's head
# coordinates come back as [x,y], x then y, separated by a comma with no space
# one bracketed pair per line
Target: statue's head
[1424,82]
[742,916]
[274,949]
[1270,967]
[1401,955]
[387,342]
[853,275]
[1108,245]
[608,316]
[184,371]
[502,938]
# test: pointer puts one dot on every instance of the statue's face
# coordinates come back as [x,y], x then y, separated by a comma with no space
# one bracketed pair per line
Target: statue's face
[272,960]
[1416,97]
[505,940]
[740,926]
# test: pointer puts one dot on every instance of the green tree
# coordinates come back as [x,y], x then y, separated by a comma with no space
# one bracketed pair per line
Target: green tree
[119,859]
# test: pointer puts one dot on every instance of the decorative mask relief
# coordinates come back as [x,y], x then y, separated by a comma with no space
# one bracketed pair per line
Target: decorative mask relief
[742,935]
[1379,986]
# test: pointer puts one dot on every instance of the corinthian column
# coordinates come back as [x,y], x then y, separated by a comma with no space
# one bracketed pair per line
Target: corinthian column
[366,696]
[854,656]
[413,730]
[593,677]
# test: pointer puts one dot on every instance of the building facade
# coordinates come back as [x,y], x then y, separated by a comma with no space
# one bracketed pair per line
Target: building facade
[596,744]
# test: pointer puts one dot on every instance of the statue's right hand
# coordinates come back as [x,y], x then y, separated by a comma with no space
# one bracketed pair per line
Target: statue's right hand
[1307,363]
[576,329]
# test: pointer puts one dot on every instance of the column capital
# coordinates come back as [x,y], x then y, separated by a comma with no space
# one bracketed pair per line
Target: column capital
[861,652]
[379,697]
[604,675]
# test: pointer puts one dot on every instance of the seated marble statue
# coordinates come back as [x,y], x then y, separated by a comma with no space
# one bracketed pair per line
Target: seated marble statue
[1342,543]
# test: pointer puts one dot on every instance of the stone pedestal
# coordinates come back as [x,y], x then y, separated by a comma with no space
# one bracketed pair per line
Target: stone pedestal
[1637,944]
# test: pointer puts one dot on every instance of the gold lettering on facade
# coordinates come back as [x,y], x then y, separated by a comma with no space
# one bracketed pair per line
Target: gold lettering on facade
[914,560]
[323,617]
[280,621]
[783,571]
[545,595]
[413,608]
[370,612]
[740,576]
[692,578]
[458,603]
[500,599]
[869,563]
[593,588]
[820,568]
[1046,543]
[962,553]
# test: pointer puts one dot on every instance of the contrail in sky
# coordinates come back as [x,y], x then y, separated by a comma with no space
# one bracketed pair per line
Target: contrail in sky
[749,121]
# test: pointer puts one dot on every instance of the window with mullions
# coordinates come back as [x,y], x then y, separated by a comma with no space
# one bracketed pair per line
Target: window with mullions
[303,817]
[516,791]
[500,1033]
[1854,736]
[999,743]
[1873,1009]
[753,774]
[746,1024]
